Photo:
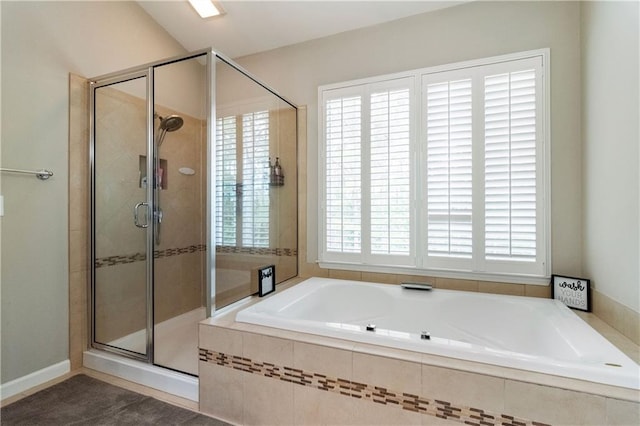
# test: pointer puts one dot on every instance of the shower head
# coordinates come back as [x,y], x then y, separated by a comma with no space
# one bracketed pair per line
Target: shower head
[171,123]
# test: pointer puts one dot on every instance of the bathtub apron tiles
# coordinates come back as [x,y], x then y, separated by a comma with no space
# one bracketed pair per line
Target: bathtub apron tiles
[366,391]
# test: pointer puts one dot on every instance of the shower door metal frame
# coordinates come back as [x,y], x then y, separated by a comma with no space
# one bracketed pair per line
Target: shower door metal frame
[147,71]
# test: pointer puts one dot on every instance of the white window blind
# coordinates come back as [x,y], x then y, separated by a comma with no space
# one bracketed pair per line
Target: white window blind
[389,172]
[481,146]
[226,181]
[449,168]
[510,165]
[367,149]
[343,175]
[255,179]
[242,180]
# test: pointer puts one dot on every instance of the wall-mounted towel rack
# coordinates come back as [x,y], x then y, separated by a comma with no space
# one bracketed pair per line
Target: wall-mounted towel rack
[40,174]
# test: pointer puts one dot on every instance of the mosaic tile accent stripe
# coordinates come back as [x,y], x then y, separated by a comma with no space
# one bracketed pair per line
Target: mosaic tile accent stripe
[377,394]
[140,257]
[257,250]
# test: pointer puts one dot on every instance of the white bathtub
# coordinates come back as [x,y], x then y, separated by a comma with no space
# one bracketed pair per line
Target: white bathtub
[526,333]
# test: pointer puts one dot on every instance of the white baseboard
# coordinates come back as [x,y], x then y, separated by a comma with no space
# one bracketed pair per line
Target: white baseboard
[36,378]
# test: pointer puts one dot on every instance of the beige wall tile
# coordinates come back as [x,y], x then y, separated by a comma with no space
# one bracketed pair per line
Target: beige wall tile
[543,291]
[311,269]
[120,301]
[607,310]
[462,388]
[321,359]
[220,339]
[455,284]
[318,407]
[379,278]
[553,405]
[258,347]
[393,374]
[622,412]
[631,324]
[373,413]
[267,401]
[78,217]
[501,288]
[345,275]
[437,421]
[77,318]
[77,251]
[221,392]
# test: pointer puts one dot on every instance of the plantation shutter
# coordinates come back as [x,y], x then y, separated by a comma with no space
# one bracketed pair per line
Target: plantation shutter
[343,175]
[449,168]
[482,150]
[390,172]
[226,181]
[255,179]
[510,165]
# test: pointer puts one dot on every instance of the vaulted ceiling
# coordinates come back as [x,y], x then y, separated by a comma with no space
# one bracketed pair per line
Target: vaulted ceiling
[254,26]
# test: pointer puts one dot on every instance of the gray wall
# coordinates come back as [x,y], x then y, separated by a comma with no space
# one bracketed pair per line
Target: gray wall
[611,107]
[42,42]
[473,30]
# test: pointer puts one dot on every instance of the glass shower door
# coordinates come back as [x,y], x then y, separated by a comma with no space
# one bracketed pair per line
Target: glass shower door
[180,199]
[121,217]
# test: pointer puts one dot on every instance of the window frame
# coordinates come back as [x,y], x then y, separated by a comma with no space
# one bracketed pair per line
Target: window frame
[506,271]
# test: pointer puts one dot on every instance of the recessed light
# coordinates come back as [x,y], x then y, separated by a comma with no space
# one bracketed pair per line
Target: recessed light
[206,8]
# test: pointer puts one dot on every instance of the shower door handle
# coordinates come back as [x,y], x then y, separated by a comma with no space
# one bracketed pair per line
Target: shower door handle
[136,219]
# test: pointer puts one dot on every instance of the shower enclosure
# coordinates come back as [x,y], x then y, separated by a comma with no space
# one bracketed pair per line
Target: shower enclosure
[186,206]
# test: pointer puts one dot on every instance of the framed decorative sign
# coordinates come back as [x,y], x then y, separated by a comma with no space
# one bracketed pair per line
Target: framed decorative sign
[266,280]
[573,292]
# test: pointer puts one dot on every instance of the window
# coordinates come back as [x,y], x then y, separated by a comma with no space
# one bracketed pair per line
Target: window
[242,180]
[441,170]
[368,173]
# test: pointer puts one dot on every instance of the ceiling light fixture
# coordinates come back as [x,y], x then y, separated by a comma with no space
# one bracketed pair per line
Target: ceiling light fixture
[206,8]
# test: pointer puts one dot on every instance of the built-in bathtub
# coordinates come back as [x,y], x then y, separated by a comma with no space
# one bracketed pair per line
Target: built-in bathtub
[539,335]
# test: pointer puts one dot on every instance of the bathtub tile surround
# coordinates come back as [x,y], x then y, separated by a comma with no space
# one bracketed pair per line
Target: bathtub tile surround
[468,389]
[266,380]
[322,360]
[617,315]
[569,407]
[251,390]
[324,380]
